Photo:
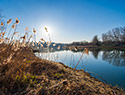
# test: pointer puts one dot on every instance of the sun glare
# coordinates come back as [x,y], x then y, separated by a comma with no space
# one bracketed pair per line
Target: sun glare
[43,31]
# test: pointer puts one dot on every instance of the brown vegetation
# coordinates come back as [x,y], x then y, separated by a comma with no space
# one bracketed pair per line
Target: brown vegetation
[22,73]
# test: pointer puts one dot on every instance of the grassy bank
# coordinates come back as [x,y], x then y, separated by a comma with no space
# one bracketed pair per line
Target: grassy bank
[22,73]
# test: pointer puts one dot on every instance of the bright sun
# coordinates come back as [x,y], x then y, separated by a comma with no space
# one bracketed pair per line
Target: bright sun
[42,32]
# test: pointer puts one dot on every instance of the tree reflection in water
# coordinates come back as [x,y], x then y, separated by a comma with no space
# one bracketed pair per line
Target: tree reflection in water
[115,57]
[95,53]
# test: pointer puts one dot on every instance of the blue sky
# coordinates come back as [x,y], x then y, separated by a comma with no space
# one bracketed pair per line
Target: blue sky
[67,20]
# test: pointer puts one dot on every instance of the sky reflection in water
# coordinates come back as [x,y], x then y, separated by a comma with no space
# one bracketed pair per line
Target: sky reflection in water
[107,66]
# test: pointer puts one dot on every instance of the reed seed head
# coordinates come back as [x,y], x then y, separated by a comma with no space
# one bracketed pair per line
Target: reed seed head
[7,38]
[9,21]
[24,37]
[32,44]
[42,40]
[14,26]
[46,29]
[3,33]
[86,51]
[34,30]
[1,40]
[41,45]
[17,21]
[1,24]
[75,49]
[30,36]
[58,47]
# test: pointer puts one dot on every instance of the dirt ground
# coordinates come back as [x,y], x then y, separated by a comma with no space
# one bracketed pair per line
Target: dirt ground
[22,73]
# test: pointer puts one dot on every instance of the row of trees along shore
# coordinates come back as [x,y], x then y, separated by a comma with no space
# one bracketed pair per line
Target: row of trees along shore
[115,37]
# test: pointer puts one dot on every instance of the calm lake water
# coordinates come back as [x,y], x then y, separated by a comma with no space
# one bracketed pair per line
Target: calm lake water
[107,66]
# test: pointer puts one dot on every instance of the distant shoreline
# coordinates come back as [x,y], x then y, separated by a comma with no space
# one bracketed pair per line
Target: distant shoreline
[73,47]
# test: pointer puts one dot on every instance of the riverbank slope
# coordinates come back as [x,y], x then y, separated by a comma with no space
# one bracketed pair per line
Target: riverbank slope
[22,73]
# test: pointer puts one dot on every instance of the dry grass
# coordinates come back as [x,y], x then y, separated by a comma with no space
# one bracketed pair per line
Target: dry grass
[26,74]
[22,73]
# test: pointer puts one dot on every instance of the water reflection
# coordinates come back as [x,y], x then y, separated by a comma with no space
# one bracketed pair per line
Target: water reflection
[95,62]
[95,53]
[115,57]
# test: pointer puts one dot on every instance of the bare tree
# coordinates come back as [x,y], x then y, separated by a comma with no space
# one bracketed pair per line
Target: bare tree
[122,34]
[116,35]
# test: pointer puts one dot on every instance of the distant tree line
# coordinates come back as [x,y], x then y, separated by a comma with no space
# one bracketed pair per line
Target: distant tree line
[114,37]
[80,43]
